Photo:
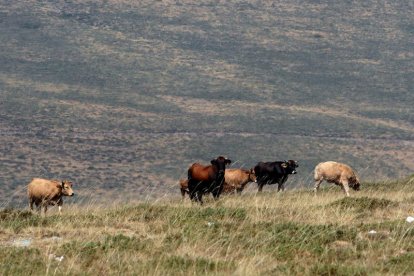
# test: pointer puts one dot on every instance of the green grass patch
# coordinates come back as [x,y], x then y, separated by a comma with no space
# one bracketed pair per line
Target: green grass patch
[363,204]
[402,264]
[323,269]
[178,264]
[21,261]
[20,219]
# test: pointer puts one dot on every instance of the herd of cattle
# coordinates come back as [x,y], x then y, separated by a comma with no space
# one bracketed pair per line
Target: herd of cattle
[214,179]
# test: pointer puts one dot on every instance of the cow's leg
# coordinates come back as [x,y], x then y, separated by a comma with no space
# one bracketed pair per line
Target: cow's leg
[345,187]
[216,192]
[44,209]
[200,197]
[280,187]
[317,184]
[196,194]
[60,203]
[193,196]
[260,185]
[31,201]
[38,206]
[192,190]
[183,193]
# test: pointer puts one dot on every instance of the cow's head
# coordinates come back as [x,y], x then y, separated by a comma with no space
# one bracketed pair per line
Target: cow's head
[354,183]
[252,176]
[67,188]
[220,163]
[290,166]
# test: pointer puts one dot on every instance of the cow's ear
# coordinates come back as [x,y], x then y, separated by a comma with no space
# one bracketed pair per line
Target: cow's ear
[284,165]
[213,162]
[62,184]
[227,161]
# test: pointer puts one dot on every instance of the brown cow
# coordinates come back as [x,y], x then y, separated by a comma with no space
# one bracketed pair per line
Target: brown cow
[43,192]
[338,173]
[207,179]
[234,181]
[183,187]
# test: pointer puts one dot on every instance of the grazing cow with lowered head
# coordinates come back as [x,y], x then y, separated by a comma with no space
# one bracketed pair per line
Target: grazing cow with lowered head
[268,173]
[234,181]
[207,179]
[43,192]
[338,173]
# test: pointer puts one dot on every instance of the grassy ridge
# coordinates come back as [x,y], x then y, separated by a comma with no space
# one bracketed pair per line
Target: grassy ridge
[289,233]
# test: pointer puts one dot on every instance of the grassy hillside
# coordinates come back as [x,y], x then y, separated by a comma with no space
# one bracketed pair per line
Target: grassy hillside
[121,96]
[293,233]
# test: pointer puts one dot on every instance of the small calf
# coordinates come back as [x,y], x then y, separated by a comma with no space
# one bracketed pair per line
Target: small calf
[184,187]
[236,179]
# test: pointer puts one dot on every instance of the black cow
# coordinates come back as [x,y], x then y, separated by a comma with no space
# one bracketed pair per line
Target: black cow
[207,179]
[274,172]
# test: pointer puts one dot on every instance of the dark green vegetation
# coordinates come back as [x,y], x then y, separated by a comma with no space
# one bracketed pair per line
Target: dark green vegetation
[269,234]
[124,95]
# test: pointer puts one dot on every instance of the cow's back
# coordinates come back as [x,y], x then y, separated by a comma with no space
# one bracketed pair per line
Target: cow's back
[199,172]
[232,175]
[236,176]
[41,188]
[332,171]
[261,168]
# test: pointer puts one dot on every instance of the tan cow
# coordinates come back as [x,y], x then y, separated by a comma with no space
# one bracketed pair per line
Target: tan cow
[234,181]
[338,173]
[43,192]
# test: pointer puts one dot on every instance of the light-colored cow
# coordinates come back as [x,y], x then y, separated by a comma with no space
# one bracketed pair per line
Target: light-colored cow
[236,179]
[44,192]
[338,173]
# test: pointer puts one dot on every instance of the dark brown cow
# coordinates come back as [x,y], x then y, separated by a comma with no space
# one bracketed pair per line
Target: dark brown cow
[234,181]
[207,179]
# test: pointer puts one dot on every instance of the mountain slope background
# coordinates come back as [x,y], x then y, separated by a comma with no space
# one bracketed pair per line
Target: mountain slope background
[121,97]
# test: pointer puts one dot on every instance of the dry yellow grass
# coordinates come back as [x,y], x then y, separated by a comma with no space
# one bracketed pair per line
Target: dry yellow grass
[287,233]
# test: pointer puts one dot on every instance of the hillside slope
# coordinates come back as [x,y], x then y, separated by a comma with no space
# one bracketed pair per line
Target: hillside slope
[293,233]
[124,95]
